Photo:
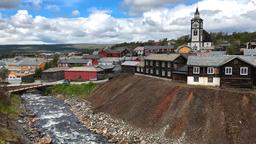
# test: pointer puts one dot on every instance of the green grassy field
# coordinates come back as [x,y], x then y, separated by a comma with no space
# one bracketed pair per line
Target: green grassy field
[71,91]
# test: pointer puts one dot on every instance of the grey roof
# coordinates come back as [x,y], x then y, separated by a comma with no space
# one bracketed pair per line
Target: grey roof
[158,47]
[56,69]
[218,61]
[162,57]
[117,68]
[116,50]
[217,53]
[74,61]
[30,62]
[2,63]
[207,61]
[105,67]
[250,52]
[91,56]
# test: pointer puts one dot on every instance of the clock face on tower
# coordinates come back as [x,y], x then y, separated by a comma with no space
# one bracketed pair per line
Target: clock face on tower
[196,25]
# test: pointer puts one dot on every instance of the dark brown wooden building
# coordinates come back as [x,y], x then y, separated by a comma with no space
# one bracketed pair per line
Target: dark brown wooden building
[239,71]
[163,65]
[53,74]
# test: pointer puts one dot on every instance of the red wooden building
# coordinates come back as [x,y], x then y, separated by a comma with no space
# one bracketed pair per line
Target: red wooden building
[116,52]
[81,74]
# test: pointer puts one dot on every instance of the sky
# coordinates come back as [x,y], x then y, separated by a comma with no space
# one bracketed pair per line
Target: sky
[116,21]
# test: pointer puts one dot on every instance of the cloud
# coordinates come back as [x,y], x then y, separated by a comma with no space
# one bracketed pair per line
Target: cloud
[75,13]
[101,27]
[52,7]
[135,7]
[9,4]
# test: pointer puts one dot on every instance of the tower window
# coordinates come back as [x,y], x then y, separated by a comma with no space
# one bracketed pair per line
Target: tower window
[195,32]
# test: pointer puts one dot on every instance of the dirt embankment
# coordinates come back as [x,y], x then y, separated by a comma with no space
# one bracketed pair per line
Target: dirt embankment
[190,114]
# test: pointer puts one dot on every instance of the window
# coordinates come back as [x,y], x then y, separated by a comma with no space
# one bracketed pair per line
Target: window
[147,70]
[195,32]
[141,70]
[163,73]
[157,63]
[196,70]
[169,74]
[163,64]
[228,70]
[210,70]
[138,69]
[196,79]
[210,79]
[244,71]
[151,71]
[169,64]
[146,63]
[157,72]
[151,63]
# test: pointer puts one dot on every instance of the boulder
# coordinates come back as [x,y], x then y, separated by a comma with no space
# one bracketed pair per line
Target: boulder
[45,140]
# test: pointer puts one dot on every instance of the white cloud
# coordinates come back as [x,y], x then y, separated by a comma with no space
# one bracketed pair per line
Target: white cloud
[75,13]
[102,27]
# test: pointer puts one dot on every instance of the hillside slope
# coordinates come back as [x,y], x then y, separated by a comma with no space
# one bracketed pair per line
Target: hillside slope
[195,115]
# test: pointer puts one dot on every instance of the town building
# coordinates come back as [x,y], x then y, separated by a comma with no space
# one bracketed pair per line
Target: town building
[199,38]
[114,52]
[129,66]
[88,73]
[251,45]
[93,59]
[224,71]
[163,65]
[53,74]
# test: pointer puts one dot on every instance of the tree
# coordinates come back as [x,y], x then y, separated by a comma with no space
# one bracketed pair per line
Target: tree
[38,73]
[3,73]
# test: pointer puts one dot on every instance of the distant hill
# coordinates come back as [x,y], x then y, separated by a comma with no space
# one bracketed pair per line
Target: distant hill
[7,49]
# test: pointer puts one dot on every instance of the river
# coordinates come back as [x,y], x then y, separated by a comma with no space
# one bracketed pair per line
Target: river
[56,120]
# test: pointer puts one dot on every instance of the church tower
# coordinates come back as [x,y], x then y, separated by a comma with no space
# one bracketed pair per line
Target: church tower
[196,32]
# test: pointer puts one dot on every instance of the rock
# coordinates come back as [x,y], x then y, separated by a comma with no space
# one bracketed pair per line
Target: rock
[45,140]
[143,142]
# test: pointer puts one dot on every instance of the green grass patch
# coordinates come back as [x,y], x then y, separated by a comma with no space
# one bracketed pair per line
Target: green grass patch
[12,108]
[71,91]
[7,135]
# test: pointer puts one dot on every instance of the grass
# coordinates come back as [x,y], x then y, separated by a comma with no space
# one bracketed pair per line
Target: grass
[72,91]
[12,109]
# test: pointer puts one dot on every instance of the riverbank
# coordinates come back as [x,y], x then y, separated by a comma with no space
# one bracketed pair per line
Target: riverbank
[115,130]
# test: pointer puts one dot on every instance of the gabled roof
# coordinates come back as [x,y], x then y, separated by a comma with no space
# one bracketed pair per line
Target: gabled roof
[106,67]
[130,63]
[56,69]
[74,61]
[207,61]
[216,61]
[91,57]
[83,69]
[217,53]
[162,57]
[158,47]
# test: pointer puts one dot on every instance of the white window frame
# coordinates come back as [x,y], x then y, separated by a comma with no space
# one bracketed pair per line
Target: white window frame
[210,70]
[157,63]
[157,72]
[146,63]
[243,70]
[151,63]
[163,73]
[151,71]
[141,70]
[196,70]
[168,64]
[138,69]
[228,71]
[169,74]
[195,80]
[147,70]
[163,64]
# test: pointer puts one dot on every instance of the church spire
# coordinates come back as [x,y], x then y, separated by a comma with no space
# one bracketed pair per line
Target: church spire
[197,14]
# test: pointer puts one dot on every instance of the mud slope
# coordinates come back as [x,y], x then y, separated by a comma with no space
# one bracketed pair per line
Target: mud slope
[197,115]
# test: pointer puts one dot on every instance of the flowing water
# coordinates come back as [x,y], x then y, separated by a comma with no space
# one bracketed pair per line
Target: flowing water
[56,120]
